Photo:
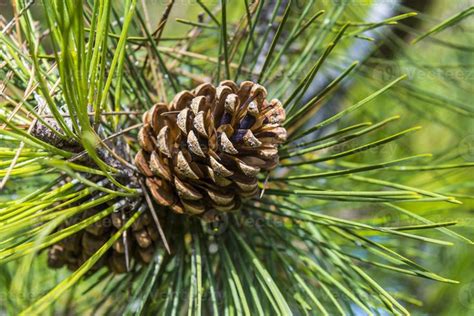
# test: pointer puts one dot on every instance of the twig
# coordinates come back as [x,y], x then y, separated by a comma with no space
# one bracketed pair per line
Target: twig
[18,152]
[198,56]
[118,157]
[103,113]
[33,123]
[6,29]
[155,217]
[82,153]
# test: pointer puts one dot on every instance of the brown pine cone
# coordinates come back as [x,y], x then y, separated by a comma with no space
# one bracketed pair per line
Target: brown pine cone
[73,251]
[203,151]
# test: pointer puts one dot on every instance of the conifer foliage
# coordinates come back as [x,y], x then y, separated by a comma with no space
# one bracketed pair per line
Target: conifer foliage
[211,172]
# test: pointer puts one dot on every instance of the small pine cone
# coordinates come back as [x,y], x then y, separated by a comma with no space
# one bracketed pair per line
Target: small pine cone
[73,251]
[203,151]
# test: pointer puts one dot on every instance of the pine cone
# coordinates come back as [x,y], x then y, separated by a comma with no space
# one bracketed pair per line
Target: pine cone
[203,151]
[142,239]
